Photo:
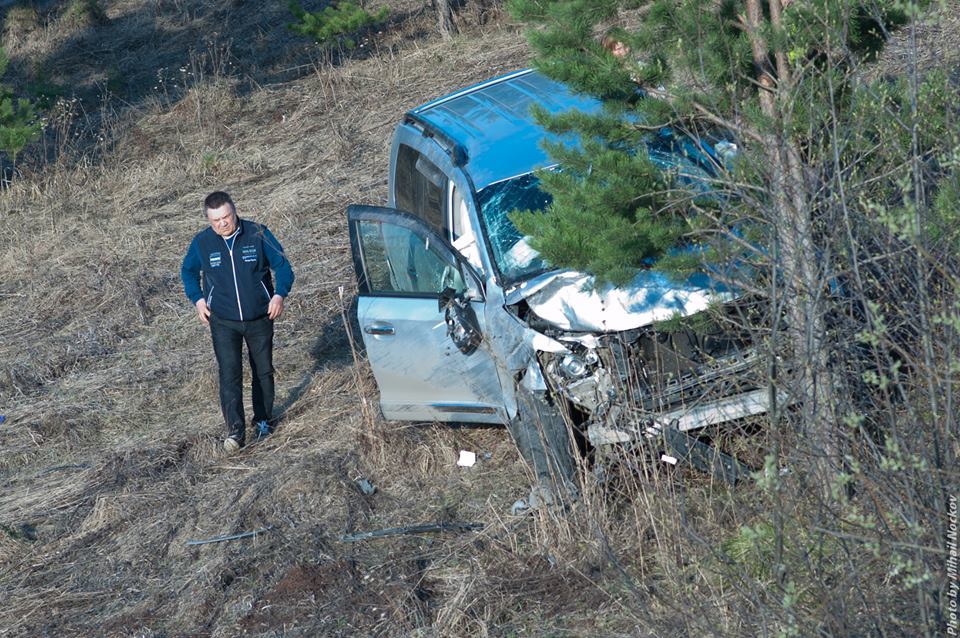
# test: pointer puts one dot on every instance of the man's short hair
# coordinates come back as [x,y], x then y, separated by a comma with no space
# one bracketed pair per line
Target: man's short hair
[217,199]
[612,38]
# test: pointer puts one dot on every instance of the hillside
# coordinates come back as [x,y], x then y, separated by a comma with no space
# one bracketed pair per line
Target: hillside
[110,456]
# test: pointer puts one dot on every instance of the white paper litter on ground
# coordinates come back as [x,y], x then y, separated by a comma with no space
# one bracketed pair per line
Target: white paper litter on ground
[467,459]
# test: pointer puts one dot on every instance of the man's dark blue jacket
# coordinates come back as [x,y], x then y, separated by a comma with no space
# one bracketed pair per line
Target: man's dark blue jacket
[236,283]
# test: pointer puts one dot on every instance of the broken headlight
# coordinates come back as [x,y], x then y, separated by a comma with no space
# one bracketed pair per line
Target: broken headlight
[574,366]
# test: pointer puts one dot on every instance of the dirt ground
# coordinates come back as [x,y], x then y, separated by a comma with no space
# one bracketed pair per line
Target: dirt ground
[110,460]
[110,455]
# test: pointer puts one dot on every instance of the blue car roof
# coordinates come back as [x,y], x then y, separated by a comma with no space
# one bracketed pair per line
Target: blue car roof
[493,124]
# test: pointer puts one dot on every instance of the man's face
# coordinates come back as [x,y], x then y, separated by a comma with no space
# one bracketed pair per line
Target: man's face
[223,220]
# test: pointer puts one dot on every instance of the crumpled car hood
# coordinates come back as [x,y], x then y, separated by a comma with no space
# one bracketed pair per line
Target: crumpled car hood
[569,301]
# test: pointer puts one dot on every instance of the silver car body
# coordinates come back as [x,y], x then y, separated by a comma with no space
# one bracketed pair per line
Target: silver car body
[533,328]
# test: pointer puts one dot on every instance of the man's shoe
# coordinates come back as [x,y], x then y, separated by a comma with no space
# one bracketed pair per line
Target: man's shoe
[231,444]
[262,429]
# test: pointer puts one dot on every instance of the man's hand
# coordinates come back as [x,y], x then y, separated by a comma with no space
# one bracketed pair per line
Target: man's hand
[203,311]
[275,309]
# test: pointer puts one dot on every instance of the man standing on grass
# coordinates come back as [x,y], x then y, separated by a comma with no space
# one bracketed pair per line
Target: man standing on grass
[238,301]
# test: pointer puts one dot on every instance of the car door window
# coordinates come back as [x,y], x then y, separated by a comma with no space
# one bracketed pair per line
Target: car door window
[396,260]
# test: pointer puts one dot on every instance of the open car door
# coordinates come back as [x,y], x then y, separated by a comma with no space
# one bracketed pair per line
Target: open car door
[414,291]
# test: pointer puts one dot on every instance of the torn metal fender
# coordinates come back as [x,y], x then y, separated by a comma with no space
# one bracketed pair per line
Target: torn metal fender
[513,345]
[533,379]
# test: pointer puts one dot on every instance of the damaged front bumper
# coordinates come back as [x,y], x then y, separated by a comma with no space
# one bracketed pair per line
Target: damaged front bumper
[635,384]
[646,363]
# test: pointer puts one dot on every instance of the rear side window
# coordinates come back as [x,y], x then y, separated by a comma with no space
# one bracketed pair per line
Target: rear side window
[419,187]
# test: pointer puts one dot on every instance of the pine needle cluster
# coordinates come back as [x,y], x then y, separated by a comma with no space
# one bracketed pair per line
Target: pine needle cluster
[337,23]
[19,124]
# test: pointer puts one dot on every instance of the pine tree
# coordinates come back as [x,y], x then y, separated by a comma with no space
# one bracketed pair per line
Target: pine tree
[336,23]
[818,141]
[19,124]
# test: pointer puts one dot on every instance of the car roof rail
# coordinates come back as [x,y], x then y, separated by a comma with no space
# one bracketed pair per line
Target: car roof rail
[456,151]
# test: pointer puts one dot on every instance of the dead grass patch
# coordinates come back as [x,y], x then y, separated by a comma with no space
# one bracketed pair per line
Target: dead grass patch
[111,451]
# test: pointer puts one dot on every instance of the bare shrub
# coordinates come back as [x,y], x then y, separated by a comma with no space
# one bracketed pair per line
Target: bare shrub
[19,21]
[800,552]
[84,14]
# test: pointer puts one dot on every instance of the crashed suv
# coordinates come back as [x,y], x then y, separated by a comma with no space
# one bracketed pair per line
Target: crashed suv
[463,321]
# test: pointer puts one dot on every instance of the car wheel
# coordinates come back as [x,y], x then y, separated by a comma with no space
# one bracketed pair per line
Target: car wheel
[544,441]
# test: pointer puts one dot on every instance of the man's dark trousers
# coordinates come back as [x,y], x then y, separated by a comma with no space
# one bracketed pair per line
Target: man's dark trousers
[228,337]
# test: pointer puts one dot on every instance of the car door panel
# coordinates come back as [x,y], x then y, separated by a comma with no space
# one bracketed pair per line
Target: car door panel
[402,267]
[420,372]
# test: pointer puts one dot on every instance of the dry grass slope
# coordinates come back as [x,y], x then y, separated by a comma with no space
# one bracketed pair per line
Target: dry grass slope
[109,456]
[110,452]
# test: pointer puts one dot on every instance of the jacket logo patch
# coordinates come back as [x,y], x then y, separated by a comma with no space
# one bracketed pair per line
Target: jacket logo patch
[248,254]
[214,259]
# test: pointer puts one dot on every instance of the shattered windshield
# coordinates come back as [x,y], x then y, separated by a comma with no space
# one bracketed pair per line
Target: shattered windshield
[688,162]
[513,255]
[691,162]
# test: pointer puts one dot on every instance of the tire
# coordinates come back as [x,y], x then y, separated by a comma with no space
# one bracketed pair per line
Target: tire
[544,441]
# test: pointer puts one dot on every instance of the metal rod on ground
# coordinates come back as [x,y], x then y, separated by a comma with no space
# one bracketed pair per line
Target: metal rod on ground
[232,537]
[413,529]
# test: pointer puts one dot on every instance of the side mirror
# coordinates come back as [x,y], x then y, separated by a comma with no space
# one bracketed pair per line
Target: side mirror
[461,320]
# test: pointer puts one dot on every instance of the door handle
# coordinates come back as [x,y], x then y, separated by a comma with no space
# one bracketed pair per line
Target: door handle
[379,329]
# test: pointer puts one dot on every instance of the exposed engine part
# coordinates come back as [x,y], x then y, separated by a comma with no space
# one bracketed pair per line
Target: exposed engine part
[621,386]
